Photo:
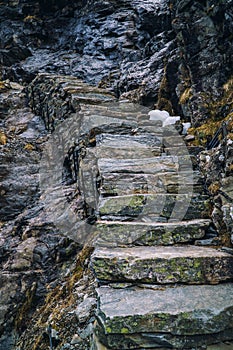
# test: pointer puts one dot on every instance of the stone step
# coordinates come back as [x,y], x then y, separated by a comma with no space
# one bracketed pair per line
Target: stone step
[138,166]
[89,97]
[161,341]
[96,124]
[144,139]
[159,264]
[150,140]
[184,317]
[119,184]
[128,146]
[129,141]
[102,111]
[134,156]
[157,207]
[112,234]
[124,110]
[128,153]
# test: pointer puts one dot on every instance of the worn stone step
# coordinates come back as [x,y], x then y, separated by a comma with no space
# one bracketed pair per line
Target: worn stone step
[192,265]
[146,207]
[127,153]
[112,233]
[121,152]
[104,112]
[129,141]
[141,160]
[96,124]
[152,140]
[128,146]
[138,166]
[90,97]
[161,341]
[179,315]
[120,109]
[120,184]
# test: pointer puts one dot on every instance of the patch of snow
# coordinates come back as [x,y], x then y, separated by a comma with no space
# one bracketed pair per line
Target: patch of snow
[156,115]
[170,121]
[186,126]
[163,116]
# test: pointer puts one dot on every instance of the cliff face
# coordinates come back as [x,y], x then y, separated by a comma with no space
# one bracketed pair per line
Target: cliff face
[173,55]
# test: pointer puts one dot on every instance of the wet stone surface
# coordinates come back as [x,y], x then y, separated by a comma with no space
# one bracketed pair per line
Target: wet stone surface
[192,265]
[166,309]
[148,234]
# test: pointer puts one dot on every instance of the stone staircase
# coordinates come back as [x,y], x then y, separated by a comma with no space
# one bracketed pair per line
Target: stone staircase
[157,288]
[161,285]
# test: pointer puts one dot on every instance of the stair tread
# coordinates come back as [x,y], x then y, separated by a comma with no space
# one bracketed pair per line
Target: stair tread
[129,141]
[143,138]
[105,124]
[123,183]
[159,264]
[162,340]
[118,233]
[162,205]
[142,165]
[186,310]
[156,224]
[147,163]
[146,252]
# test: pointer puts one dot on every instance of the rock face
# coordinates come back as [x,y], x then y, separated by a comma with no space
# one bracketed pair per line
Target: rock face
[169,53]
[216,164]
[22,133]
[118,167]
[34,254]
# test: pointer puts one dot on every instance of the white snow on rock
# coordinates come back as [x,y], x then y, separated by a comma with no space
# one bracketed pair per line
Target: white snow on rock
[170,121]
[164,116]
[156,114]
[186,126]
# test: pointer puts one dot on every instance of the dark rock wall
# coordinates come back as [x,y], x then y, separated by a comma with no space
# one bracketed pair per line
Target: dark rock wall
[173,54]
[216,165]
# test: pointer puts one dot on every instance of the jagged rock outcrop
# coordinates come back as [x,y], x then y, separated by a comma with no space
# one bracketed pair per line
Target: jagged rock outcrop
[216,165]
[22,133]
[38,258]
[32,251]
[174,54]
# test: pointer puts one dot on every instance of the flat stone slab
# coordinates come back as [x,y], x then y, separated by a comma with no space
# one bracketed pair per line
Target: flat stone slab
[161,341]
[163,182]
[129,141]
[110,233]
[167,206]
[183,310]
[192,265]
[144,165]
[103,124]
[121,152]
[125,110]
[90,97]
